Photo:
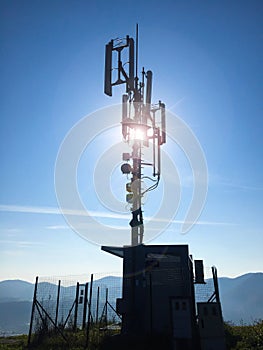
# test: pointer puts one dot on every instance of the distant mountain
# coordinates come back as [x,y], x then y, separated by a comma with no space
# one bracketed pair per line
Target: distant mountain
[110,281]
[16,290]
[241,297]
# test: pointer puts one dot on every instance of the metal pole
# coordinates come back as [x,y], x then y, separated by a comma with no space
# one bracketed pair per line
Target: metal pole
[97,308]
[76,307]
[56,318]
[137,228]
[85,306]
[137,220]
[106,309]
[32,312]
[89,313]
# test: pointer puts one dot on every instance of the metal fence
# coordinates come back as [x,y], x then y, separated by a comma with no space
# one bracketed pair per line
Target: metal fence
[79,302]
[203,292]
[75,303]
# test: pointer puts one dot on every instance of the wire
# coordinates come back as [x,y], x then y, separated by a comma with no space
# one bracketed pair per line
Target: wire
[148,177]
[153,187]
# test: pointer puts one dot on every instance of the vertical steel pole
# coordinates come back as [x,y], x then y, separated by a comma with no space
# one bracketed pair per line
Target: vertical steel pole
[85,306]
[57,306]
[98,300]
[89,312]
[136,180]
[76,307]
[106,310]
[32,312]
[137,224]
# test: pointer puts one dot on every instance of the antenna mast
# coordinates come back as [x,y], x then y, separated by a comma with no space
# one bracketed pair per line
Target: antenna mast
[143,125]
[136,59]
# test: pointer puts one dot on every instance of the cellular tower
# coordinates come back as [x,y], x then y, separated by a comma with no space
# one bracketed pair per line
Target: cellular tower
[158,307]
[143,124]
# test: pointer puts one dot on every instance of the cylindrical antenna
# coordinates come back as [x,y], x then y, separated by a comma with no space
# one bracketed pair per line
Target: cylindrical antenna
[136,59]
[149,75]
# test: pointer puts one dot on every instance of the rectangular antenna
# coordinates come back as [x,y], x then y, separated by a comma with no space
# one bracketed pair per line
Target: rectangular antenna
[149,75]
[130,85]
[108,69]
[163,123]
[123,75]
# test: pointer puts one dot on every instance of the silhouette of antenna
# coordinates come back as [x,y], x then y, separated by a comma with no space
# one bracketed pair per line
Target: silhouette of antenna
[143,124]
[123,76]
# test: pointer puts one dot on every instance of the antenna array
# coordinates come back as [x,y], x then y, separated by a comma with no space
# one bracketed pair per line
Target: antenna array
[143,124]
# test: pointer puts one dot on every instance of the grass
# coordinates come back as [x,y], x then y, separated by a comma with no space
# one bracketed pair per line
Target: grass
[18,342]
[243,337]
[72,340]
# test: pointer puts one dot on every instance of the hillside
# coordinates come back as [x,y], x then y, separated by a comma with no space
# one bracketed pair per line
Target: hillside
[16,290]
[242,298]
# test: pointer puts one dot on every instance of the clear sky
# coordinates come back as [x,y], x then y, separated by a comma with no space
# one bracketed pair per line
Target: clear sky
[206,57]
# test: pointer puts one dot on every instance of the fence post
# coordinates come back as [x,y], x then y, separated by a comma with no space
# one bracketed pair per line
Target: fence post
[32,312]
[58,295]
[89,314]
[98,300]
[106,309]
[76,308]
[85,306]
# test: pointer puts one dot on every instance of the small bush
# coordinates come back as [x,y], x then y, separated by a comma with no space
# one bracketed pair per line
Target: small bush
[244,337]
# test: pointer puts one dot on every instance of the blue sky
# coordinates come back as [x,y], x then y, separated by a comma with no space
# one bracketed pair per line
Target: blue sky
[206,58]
